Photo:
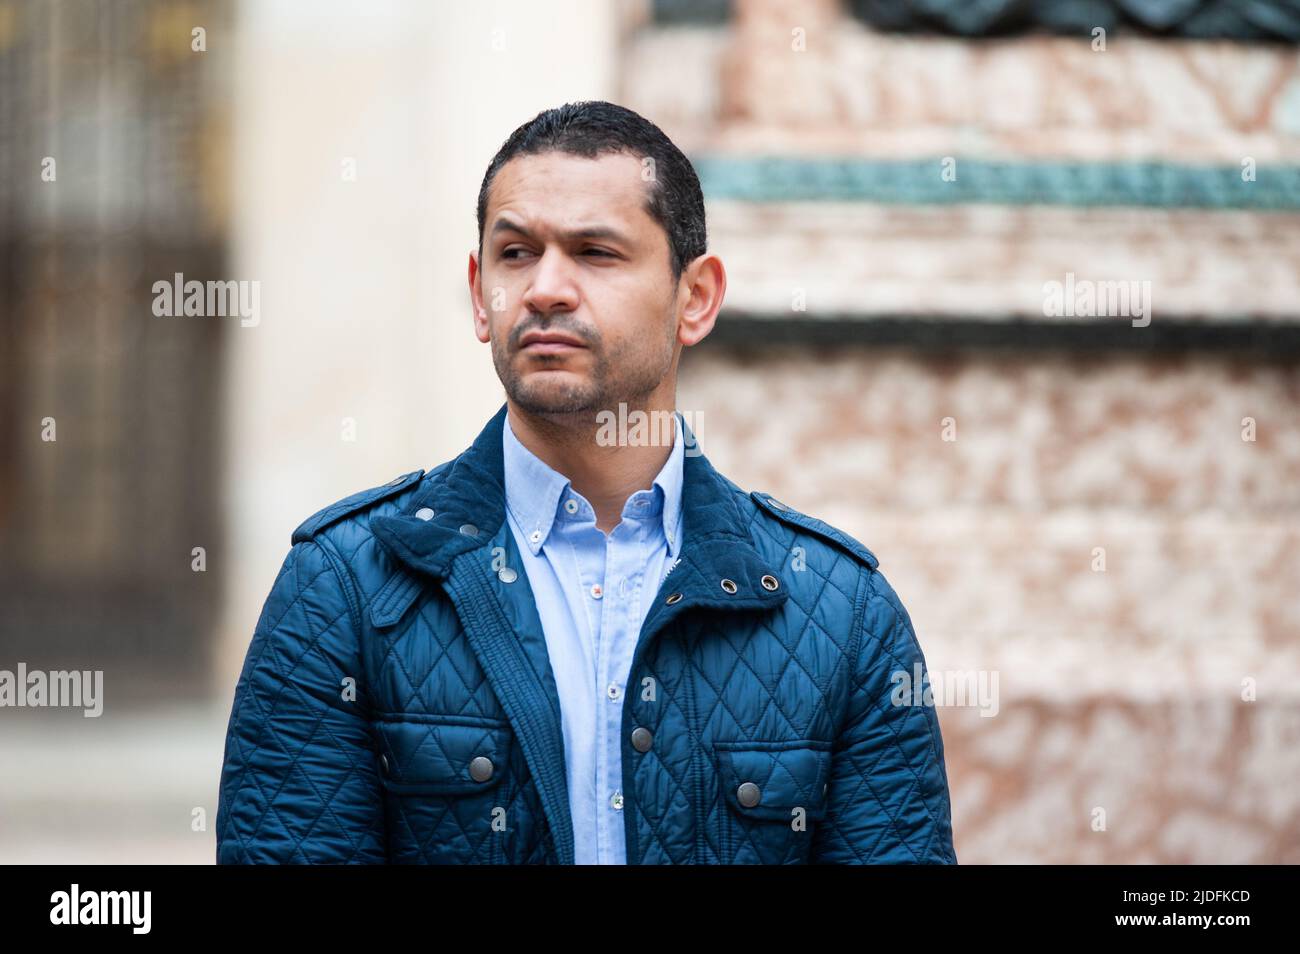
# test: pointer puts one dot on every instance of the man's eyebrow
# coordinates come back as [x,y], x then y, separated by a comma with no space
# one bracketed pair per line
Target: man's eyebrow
[590,232]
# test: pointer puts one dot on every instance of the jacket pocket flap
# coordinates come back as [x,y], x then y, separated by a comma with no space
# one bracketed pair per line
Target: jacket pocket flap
[771,779]
[442,757]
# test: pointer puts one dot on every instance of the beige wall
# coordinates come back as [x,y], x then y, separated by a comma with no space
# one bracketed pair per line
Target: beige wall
[365,308]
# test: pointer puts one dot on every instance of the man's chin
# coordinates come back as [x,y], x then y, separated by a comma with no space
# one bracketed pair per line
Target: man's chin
[555,397]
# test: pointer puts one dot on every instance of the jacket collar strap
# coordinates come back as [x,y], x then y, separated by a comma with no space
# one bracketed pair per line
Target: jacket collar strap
[454,512]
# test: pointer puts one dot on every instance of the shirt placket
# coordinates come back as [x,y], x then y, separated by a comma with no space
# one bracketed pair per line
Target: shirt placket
[625,562]
[602,632]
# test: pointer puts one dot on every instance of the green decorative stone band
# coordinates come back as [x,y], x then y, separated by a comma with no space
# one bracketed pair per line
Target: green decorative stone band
[970,181]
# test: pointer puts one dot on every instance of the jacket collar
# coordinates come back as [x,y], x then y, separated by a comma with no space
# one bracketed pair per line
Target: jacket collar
[468,504]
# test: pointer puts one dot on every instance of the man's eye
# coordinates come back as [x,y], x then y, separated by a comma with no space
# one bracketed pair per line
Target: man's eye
[513,253]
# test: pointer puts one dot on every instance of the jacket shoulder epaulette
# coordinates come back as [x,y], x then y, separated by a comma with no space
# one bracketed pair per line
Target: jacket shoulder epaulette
[348,505]
[818,528]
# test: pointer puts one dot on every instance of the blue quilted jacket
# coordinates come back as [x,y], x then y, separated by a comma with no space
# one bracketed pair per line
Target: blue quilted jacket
[397,705]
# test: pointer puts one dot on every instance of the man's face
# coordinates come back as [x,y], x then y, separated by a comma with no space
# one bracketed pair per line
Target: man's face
[570,253]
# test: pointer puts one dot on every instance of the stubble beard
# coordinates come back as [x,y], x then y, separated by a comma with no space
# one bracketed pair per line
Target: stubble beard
[635,378]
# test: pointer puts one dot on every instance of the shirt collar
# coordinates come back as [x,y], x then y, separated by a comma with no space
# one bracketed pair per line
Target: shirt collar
[534,489]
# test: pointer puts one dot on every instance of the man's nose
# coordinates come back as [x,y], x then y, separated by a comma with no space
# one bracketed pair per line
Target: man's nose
[552,286]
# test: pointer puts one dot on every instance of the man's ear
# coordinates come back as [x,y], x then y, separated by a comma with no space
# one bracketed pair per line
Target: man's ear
[482,327]
[702,289]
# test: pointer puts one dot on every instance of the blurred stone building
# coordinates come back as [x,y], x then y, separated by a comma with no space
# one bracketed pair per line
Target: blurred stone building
[1100,510]
[1115,529]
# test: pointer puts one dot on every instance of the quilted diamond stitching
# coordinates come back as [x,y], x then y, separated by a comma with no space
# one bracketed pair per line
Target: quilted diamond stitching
[656,837]
[445,661]
[265,712]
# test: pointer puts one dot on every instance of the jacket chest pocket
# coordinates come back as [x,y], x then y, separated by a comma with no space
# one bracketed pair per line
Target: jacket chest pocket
[442,779]
[774,794]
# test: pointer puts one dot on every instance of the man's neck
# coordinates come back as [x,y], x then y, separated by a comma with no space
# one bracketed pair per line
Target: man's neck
[606,473]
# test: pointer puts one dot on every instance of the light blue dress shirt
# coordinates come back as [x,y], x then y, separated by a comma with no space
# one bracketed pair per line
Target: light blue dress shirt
[593,592]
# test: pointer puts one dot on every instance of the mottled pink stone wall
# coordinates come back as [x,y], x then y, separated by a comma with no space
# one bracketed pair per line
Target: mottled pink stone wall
[1124,730]
[1119,689]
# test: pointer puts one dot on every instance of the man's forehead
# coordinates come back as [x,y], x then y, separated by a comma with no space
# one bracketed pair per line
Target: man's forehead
[573,192]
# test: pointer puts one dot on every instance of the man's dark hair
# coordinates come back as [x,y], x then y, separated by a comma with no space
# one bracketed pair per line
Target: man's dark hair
[594,128]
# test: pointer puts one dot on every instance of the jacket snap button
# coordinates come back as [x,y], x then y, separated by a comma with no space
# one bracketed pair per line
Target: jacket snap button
[383,763]
[769,582]
[641,739]
[729,586]
[507,575]
[469,529]
[776,503]
[673,599]
[396,480]
[748,794]
[480,770]
[425,513]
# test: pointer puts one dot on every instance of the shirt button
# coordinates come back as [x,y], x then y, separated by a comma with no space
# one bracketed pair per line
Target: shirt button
[622,587]
[535,536]
[616,801]
[596,591]
[613,691]
[571,505]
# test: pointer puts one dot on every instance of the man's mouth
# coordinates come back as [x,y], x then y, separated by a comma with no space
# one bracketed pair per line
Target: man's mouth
[550,344]
[551,347]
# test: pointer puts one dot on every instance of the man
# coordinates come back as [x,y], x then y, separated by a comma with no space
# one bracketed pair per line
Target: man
[565,647]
